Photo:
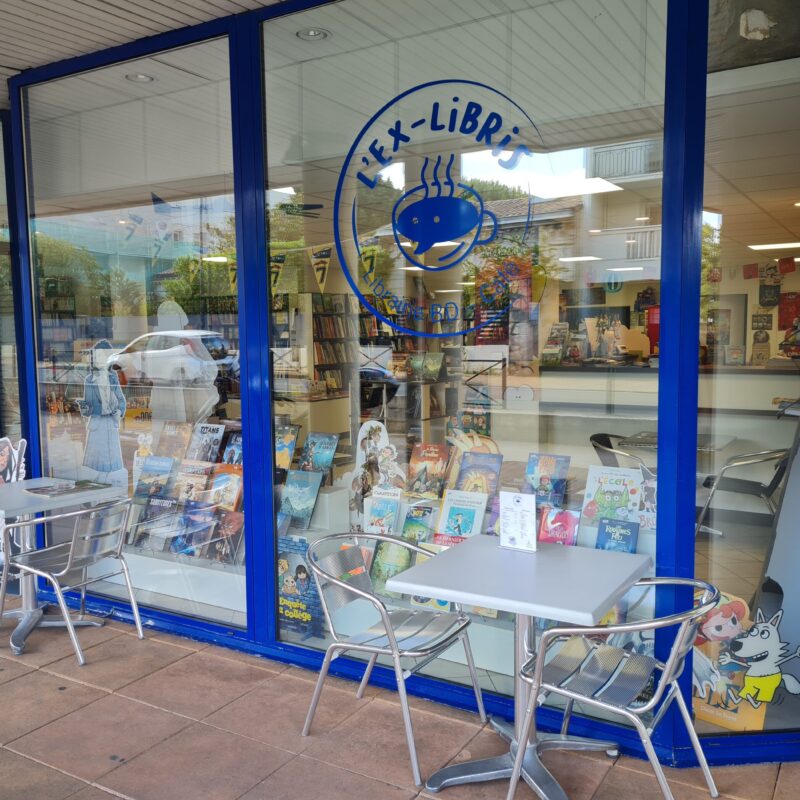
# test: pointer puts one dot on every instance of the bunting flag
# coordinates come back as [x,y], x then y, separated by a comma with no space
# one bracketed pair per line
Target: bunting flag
[276,262]
[786,265]
[320,263]
[750,271]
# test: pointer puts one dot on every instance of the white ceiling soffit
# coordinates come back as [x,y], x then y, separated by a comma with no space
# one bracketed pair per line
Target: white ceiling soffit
[38,32]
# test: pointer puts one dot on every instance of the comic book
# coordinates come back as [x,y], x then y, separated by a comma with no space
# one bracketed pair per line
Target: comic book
[173,440]
[420,523]
[198,521]
[479,472]
[617,534]
[205,442]
[462,516]
[426,470]
[546,477]
[191,480]
[225,487]
[474,422]
[285,443]
[227,538]
[387,561]
[559,526]
[299,606]
[318,452]
[415,366]
[232,454]
[299,496]
[155,476]
[432,366]
[611,493]
[381,510]
[158,523]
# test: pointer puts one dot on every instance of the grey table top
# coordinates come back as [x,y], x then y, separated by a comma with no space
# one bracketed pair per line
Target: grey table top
[576,585]
[16,502]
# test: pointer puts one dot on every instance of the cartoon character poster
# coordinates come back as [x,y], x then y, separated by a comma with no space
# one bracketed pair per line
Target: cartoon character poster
[612,493]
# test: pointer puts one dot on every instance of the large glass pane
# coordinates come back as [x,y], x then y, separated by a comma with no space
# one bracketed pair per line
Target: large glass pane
[745,665]
[9,383]
[465,244]
[132,230]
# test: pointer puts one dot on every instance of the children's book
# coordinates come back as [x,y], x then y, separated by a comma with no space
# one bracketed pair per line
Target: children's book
[158,523]
[462,516]
[611,493]
[299,496]
[191,480]
[318,452]
[173,440]
[479,472]
[559,526]
[227,537]
[299,606]
[197,529]
[155,476]
[285,443]
[546,477]
[432,366]
[420,523]
[426,470]
[232,454]
[474,422]
[381,510]
[415,366]
[429,602]
[387,561]
[647,505]
[617,534]
[205,442]
[225,487]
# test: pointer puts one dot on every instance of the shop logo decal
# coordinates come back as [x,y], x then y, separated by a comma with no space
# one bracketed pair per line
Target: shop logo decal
[438,222]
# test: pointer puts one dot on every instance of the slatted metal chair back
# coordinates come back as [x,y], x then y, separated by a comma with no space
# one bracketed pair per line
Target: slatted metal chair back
[99,533]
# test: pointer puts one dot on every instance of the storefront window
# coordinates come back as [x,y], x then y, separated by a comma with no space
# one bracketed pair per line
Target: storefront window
[465,260]
[134,260]
[746,669]
[9,382]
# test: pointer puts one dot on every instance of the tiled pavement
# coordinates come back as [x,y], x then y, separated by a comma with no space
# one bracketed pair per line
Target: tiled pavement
[169,718]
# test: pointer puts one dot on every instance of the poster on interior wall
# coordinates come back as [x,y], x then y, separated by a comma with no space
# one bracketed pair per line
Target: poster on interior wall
[769,295]
[788,310]
[786,265]
[750,271]
[588,296]
[762,322]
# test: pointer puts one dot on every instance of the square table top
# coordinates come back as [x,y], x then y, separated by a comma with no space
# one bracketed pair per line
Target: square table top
[16,502]
[577,585]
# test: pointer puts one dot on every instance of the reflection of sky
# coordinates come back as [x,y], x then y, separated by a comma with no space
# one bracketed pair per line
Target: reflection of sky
[713,219]
[529,171]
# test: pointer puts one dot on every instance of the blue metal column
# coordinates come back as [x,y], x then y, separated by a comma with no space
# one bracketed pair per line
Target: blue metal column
[251,246]
[684,143]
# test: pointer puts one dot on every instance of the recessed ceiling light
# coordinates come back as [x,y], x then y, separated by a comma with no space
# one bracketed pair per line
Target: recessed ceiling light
[216,259]
[446,291]
[797,204]
[630,241]
[139,77]
[313,34]
[595,230]
[466,283]
[121,221]
[581,258]
[624,269]
[780,246]
[641,219]
[412,269]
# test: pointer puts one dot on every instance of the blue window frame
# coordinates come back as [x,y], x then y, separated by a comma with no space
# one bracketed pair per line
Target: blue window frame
[683,161]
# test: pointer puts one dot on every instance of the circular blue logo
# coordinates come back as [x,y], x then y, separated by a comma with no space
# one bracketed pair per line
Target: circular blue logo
[440,222]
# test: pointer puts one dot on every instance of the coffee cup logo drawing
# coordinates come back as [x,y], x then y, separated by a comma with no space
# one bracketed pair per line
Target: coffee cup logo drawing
[439,222]
[440,212]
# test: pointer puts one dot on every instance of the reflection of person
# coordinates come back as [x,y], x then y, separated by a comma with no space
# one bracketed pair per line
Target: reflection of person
[104,404]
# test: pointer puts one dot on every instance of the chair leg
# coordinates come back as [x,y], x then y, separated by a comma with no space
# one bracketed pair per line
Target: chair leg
[567,717]
[4,584]
[367,672]
[474,675]
[651,755]
[412,747]
[82,613]
[323,673]
[698,750]
[522,743]
[62,604]
[134,605]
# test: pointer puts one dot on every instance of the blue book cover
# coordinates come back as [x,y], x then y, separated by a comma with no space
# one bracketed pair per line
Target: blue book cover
[318,452]
[479,472]
[155,477]
[300,496]
[546,477]
[617,534]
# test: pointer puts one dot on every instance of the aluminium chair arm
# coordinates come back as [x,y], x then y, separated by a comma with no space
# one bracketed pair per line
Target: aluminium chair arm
[533,669]
[746,459]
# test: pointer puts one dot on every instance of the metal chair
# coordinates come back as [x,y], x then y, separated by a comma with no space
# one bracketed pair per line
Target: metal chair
[588,670]
[413,633]
[605,445]
[98,534]
[722,483]
[12,469]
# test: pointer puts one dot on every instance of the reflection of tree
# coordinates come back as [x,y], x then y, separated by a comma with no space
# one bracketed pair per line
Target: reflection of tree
[494,190]
[196,281]
[126,294]
[709,263]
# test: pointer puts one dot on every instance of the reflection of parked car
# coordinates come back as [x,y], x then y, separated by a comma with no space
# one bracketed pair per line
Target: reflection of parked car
[173,357]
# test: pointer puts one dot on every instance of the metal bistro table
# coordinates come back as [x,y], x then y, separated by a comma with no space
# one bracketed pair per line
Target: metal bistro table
[575,585]
[16,502]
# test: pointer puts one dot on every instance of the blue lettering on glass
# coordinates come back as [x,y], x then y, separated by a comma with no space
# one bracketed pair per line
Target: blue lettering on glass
[438,208]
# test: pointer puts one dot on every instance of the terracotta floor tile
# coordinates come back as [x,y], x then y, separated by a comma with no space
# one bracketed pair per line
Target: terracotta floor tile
[626,784]
[37,699]
[196,685]
[320,780]
[431,707]
[94,740]
[378,728]
[119,661]
[345,684]
[12,669]
[751,782]
[788,787]
[200,762]
[92,793]
[46,645]
[247,658]
[23,779]
[274,712]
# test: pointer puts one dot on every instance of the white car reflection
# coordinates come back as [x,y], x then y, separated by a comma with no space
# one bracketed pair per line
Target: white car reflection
[173,358]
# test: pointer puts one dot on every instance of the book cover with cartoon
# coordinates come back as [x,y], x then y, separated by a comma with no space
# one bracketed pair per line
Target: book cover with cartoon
[618,535]
[420,523]
[191,480]
[426,470]
[611,493]
[382,508]
[299,606]
[232,454]
[318,452]
[546,477]
[462,516]
[299,496]
[479,472]
[205,442]
[559,526]
[225,487]
[173,440]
